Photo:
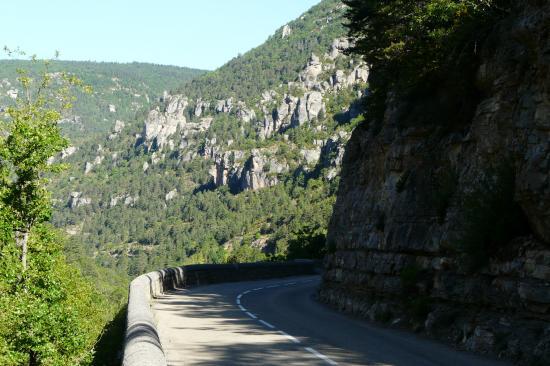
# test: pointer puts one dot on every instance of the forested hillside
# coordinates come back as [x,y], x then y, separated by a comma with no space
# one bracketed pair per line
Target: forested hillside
[240,164]
[120,91]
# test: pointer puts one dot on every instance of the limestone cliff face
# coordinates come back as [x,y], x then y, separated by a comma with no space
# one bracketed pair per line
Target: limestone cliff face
[401,210]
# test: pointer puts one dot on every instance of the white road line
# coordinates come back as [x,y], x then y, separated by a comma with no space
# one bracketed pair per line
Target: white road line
[320,355]
[271,326]
[266,324]
[289,337]
[251,315]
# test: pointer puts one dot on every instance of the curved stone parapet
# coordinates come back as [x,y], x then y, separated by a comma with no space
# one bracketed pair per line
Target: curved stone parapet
[142,343]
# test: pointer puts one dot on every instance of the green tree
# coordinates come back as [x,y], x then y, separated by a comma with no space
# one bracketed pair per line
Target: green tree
[30,137]
[49,314]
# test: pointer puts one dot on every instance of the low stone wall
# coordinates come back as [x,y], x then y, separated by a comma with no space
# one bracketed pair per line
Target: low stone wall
[142,344]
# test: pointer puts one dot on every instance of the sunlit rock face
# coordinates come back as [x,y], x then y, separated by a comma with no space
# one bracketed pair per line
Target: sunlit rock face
[160,125]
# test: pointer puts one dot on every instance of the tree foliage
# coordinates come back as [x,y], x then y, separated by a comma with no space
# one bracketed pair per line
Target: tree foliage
[49,314]
[411,43]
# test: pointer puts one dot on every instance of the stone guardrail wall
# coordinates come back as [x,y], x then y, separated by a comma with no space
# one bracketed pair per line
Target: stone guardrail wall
[142,344]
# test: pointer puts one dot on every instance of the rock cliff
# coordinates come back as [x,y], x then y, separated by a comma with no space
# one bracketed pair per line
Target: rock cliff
[408,235]
[183,125]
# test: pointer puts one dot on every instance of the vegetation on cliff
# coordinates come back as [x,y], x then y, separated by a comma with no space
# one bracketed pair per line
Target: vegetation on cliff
[414,46]
[133,223]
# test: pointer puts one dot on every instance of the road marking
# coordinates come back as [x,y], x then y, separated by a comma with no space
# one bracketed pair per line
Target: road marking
[320,355]
[288,336]
[271,326]
[266,324]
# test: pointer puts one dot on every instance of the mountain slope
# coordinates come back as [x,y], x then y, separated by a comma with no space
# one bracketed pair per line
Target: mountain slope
[119,91]
[276,61]
[201,179]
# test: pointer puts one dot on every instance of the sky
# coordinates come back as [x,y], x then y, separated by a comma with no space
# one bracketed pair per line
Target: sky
[201,34]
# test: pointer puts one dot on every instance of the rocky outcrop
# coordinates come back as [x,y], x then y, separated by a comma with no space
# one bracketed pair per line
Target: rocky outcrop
[125,199]
[224,106]
[243,113]
[167,133]
[338,47]
[340,80]
[332,151]
[12,93]
[160,125]
[310,73]
[89,166]
[171,195]
[73,120]
[410,194]
[286,31]
[200,107]
[311,156]
[76,199]
[308,108]
[227,169]
[258,170]
[68,152]
[119,126]
[295,111]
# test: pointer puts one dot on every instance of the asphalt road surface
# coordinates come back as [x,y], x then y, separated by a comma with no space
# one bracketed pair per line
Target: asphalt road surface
[278,322]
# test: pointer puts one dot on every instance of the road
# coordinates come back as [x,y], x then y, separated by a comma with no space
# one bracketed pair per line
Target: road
[278,322]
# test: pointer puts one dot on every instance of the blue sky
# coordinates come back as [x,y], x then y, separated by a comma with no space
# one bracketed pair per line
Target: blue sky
[195,33]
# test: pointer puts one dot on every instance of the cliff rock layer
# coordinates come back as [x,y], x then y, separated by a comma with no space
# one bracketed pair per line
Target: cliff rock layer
[446,228]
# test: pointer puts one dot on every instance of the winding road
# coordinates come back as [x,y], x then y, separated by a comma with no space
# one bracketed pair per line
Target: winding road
[278,322]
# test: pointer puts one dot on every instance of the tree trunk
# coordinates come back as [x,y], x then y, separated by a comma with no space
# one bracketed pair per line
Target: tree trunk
[33,359]
[22,240]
